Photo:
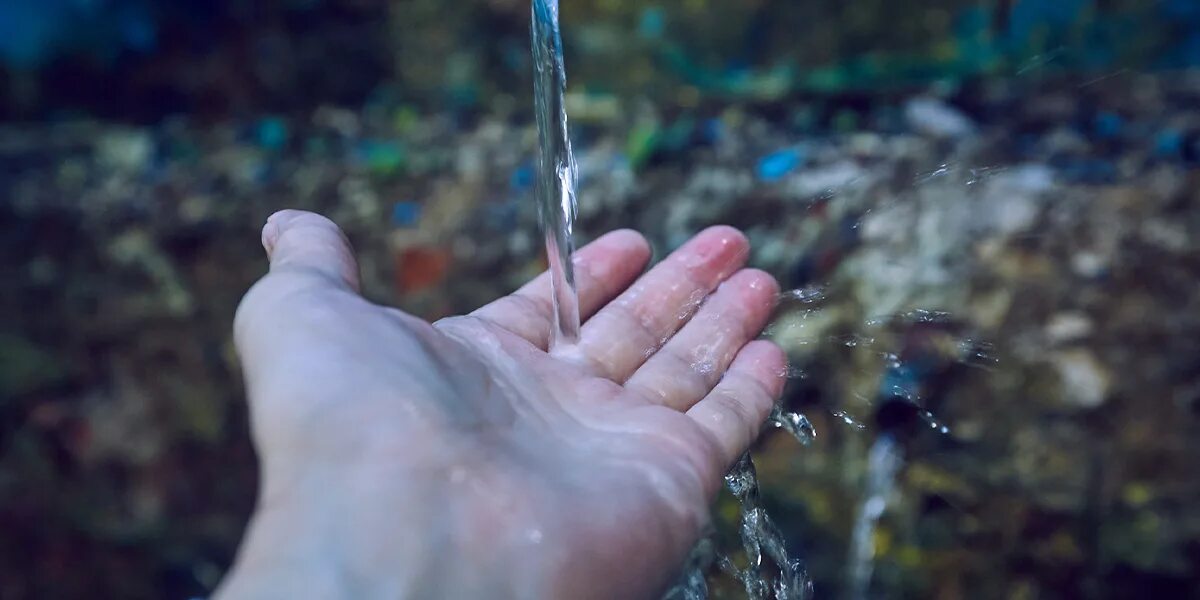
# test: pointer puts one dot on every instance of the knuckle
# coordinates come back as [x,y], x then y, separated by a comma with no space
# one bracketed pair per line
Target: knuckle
[731,406]
[538,305]
[642,323]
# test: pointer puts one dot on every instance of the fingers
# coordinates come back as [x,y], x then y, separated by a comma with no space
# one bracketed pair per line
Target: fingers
[297,240]
[623,334]
[602,269]
[307,252]
[693,361]
[735,410]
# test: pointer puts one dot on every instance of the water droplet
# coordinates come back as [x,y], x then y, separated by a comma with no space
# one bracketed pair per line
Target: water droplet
[976,353]
[806,295]
[933,423]
[794,423]
[891,360]
[980,174]
[922,315]
[941,171]
[846,418]
[877,321]
[1040,60]
[793,372]
[905,392]
[852,340]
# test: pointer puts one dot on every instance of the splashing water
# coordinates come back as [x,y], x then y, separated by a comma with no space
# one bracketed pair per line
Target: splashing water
[557,172]
[557,178]
[693,583]
[883,462]
[794,423]
[849,419]
[758,534]
[761,537]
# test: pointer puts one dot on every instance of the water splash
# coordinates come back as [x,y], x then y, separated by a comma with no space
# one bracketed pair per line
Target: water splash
[1105,77]
[794,423]
[941,171]
[1041,60]
[852,340]
[883,463]
[693,583]
[977,353]
[557,171]
[805,295]
[849,419]
[965,175]
[760,537]
[793,372]
[933,422]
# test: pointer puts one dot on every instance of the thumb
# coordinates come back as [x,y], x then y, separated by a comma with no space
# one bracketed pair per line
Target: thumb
[305,241]
[307,253]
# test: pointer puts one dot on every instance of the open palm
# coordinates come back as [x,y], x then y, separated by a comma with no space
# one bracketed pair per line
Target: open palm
[464,457]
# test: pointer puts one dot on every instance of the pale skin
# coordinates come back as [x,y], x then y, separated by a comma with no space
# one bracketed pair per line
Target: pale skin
[466,459]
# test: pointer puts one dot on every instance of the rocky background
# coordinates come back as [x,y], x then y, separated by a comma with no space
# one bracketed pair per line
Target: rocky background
[984,215]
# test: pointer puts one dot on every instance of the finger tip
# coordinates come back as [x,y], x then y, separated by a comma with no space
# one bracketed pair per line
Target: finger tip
[274,227]
[721,249]
[726,235]
[630,240]
[282,216]
[297,237]
[270,234]
[760,282]
[770,364]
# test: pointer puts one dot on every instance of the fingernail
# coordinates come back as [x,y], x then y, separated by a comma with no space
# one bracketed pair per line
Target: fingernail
[273,228]
[270,233]
[719,252]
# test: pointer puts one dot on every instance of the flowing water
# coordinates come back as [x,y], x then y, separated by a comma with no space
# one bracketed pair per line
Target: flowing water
[779,576]
[557,176]
[760,536]
[557,172]
[883,462]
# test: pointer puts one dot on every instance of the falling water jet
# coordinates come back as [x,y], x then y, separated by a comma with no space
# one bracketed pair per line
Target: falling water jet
[557,177]
[883,463]
[557,172]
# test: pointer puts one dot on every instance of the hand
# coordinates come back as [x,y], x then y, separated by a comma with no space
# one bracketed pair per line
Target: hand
[462,458]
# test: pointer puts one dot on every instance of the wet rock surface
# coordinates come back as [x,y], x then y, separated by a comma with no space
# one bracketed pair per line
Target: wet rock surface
[1019,261]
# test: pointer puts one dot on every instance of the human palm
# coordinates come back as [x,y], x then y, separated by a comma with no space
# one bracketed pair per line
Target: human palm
[464,457]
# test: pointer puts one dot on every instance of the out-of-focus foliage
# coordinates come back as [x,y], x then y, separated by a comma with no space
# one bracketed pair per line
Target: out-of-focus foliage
[222,56]
[1024,172]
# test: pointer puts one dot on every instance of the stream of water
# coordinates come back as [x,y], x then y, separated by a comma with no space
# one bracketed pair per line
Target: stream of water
[557,172]
[557,177]
[883,462]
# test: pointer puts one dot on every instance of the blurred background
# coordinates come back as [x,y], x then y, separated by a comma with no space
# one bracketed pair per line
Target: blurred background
[985,213]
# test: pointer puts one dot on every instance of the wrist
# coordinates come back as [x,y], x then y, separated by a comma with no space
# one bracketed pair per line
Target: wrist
[368,533]
[338,534]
